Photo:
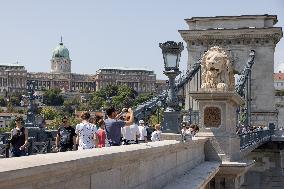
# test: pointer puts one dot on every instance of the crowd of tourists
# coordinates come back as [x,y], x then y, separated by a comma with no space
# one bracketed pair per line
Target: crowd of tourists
[244,130]
[188,131]
[114,129]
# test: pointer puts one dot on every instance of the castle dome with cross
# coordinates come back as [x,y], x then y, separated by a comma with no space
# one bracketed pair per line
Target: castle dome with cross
[60,62]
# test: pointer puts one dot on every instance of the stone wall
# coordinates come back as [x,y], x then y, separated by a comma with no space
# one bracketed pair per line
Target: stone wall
[151,165]
[268,170]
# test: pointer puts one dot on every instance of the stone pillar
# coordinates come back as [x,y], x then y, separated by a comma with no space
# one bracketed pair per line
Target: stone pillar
[238,35]
[218,123]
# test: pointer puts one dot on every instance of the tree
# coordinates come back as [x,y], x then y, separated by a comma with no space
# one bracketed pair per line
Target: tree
[97,102]
[70,105]
[10,107]
[49,113]
[2,101]
[116,96]
[56,123]
[52,97]
[142,98]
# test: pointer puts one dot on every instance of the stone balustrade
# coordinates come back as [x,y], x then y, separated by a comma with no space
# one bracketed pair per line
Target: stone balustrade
[150,165]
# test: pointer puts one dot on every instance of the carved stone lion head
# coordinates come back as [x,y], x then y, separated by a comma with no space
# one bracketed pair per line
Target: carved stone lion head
[217,72]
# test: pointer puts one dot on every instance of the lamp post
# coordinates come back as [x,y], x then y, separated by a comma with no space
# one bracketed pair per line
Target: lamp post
[171,55]
[30,121]
[159,103]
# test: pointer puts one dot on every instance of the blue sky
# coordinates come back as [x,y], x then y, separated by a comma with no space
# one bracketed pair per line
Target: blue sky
[121,33]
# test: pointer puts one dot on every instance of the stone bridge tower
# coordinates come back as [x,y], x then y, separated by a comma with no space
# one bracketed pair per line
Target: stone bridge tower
[238,35]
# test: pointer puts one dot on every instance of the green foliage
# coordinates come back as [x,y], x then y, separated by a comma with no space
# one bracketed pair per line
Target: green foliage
[15,101]
[116,96]
[7,129]
[56,123]
[70,105]
[15,98]
[2,101]
[11,125]
[157,117]
[142,98]
[85,90]
[52,97]
[279,92]
[10,107]
[49,113]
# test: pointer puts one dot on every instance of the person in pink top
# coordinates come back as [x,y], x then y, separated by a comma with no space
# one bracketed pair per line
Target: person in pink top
[101,133]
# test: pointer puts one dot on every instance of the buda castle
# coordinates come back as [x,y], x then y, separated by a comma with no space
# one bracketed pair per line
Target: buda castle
[14,77]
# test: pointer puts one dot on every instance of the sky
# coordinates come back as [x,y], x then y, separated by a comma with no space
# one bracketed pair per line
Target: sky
[111,33]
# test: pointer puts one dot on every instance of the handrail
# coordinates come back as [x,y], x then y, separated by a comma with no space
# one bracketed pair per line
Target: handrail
[244,75]
[147,108]
[254,137]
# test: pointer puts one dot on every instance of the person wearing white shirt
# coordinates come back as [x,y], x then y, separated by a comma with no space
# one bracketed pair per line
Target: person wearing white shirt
[86,133]
[142,132]
[130,134]
[156,135]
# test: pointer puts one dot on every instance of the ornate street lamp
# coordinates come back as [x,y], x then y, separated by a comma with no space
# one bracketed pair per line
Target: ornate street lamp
[171,54]
[30,121]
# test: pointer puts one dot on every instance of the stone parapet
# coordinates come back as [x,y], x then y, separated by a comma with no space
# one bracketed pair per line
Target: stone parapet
[149,165]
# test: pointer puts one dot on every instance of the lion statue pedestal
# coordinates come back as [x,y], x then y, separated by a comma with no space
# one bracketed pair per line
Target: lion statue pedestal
[218,103]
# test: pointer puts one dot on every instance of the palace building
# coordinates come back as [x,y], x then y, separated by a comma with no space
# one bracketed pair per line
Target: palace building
[60,75]
[13,77]
[141,80]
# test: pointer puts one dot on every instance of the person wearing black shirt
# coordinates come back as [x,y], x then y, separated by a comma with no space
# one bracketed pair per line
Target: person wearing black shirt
[19,138]
[66,137]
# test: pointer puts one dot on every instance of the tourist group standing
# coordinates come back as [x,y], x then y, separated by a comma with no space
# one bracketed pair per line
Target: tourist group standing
[115,130]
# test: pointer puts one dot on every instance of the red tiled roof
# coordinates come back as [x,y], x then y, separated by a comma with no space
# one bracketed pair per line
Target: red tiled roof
[278,76]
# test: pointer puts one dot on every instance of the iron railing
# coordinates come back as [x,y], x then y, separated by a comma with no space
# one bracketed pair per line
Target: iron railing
[33,148]
[254,137]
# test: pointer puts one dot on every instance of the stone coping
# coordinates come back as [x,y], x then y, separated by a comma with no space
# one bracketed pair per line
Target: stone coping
[217,95]
[196,178]
[88,157]
[236,168]
[244,163]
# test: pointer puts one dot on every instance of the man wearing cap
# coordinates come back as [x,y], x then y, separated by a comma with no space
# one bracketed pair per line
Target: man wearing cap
[142,131]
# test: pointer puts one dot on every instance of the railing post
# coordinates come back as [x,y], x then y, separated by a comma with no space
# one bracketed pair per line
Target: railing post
[7,149]
[48,148]
[31,143]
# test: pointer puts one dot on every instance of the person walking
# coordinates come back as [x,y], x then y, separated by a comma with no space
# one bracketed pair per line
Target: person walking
[113,125]
[86,133]
[66,137]
[19,138]
[142,132]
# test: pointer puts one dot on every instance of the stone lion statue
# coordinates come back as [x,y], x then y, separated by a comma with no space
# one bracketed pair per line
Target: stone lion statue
[217,72]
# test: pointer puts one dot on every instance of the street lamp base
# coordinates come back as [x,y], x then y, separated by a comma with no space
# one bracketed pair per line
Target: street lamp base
[171,122]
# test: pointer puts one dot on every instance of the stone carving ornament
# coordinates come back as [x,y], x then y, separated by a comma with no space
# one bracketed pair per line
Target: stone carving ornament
[212,117]
[217,71]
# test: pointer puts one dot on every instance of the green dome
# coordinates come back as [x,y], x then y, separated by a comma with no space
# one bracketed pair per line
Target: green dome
[61,52]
